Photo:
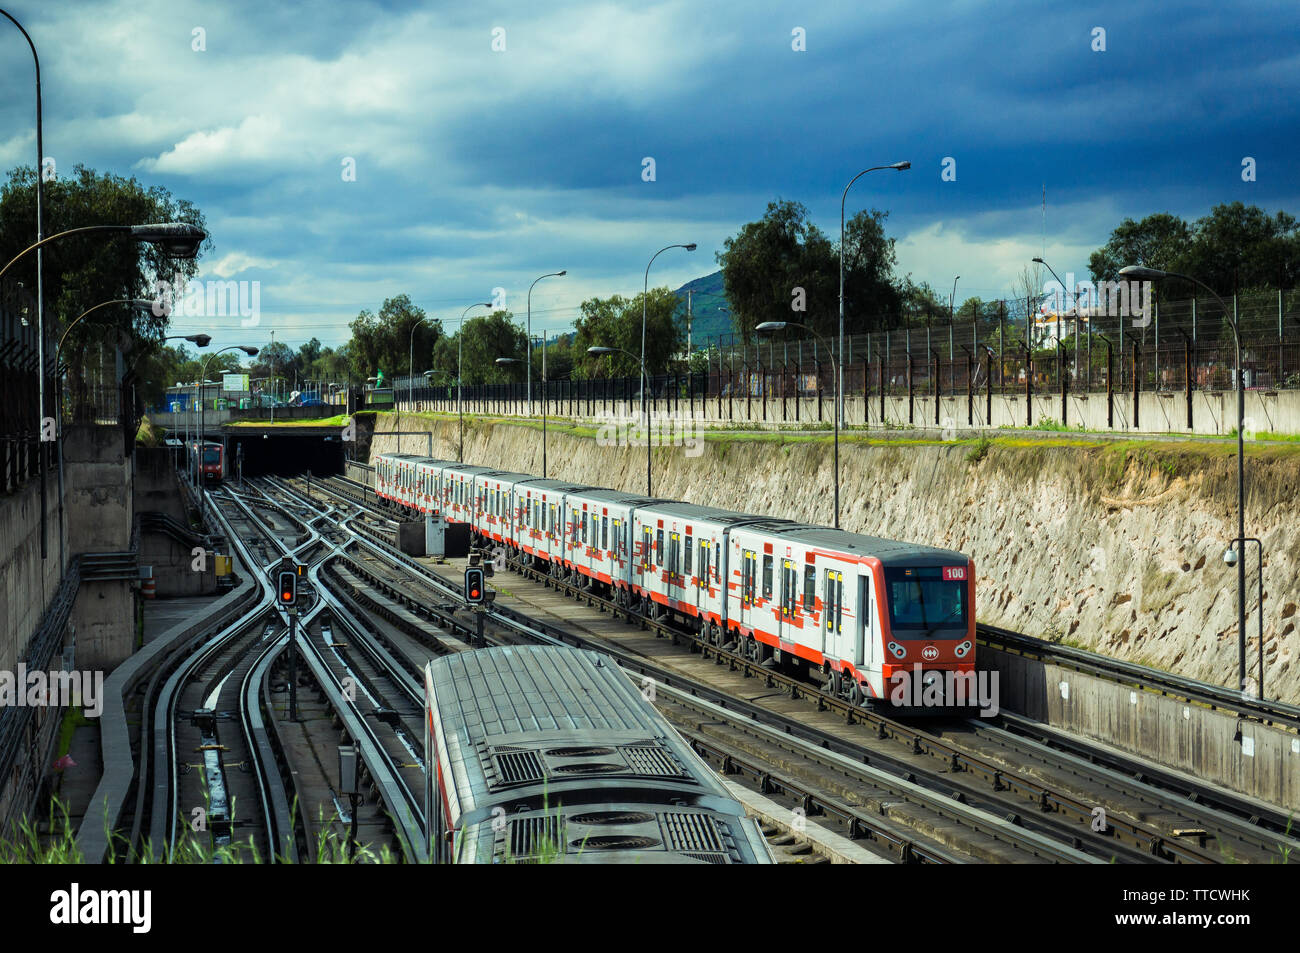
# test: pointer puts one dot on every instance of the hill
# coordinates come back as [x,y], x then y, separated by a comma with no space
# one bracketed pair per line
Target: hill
[709,307]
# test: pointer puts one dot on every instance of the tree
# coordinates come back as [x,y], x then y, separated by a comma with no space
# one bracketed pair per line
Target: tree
[920,304]
[783,268]
[616,322]
[1238,247]
[383,341]
[81,272]
[780,268]
[1158,241]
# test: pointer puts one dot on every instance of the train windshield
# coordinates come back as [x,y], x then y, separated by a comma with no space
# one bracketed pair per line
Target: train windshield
[926,599]
[211,456]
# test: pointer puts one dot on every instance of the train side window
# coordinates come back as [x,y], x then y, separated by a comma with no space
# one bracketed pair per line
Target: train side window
[674,545]
[659,547]
[552,519]
[834,600]
[767,576]
[809,587]
[789,582]
[604,533]
[747,577]
[584,526]
[704,562]
[686,569]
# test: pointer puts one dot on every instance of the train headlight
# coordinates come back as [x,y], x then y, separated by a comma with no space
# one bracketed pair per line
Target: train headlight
[897,650]
[962,649]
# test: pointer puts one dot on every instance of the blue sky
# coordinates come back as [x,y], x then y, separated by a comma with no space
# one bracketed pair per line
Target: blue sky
[478,169]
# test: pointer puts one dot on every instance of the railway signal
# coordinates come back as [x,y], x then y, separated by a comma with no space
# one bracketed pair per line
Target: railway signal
[287,591]
[474,585]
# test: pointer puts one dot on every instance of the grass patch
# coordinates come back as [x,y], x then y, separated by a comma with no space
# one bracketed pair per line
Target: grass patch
[979,451]
[338,420]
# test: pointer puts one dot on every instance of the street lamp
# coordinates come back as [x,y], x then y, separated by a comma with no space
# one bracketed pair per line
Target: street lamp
[599,351]
[136,303]
[40,293]
[179,239]
[554,274]
[645,404]
[1230,557]
[766,328]
[460,353]
[899,166]
[410,364]
[1141,273]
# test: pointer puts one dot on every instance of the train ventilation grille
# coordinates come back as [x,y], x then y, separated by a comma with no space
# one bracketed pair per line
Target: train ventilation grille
[652,761]
[595,818]
[530,836]
[517,767]
[689,833]
[614,842]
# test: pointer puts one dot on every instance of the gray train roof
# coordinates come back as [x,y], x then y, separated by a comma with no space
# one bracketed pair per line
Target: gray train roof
[510,689]
[714,513]
[621,496]
[537,483]
[891,552]
[512,476]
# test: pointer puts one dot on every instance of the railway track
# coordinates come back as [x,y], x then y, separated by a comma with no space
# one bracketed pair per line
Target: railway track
[1146,811]
[1034,843]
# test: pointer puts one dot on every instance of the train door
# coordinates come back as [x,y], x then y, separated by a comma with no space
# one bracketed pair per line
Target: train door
[700,571]
[647,543]
[864,649]
[789,586]
[748,583]
[833,602]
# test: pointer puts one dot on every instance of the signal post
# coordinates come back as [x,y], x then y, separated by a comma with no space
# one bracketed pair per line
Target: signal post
[286,596]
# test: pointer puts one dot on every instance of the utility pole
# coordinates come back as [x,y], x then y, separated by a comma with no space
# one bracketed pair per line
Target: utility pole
[688,323]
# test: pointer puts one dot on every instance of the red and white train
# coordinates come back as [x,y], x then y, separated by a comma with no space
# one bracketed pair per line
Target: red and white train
[867,613]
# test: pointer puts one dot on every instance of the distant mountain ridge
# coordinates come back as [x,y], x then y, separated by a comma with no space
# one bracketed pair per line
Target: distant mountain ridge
[707,297]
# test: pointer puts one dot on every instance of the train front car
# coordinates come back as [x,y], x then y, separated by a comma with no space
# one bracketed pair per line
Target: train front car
[928,631]
[213,463]
[545,754]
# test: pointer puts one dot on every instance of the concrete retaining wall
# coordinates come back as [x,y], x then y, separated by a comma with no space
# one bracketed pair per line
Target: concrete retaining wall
[1259,760]
[1213,412]
[27,582]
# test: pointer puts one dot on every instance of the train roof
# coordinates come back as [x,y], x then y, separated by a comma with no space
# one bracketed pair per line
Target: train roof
[562,741]
[513,476]
[566,485]
[890,552]
[713,513]
[619,496]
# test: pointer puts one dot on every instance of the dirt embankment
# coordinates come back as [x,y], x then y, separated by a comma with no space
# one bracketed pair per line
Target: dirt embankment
[1113,547]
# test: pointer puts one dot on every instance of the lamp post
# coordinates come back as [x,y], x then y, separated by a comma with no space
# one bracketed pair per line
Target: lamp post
[768,327]
[645,404]
[180,239]
[507,362]
[554,274]
[135,303]
[899,166]
[410,364]
[598,351]
[1232,558]
[1141,273]
[40,292]
[460,351]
